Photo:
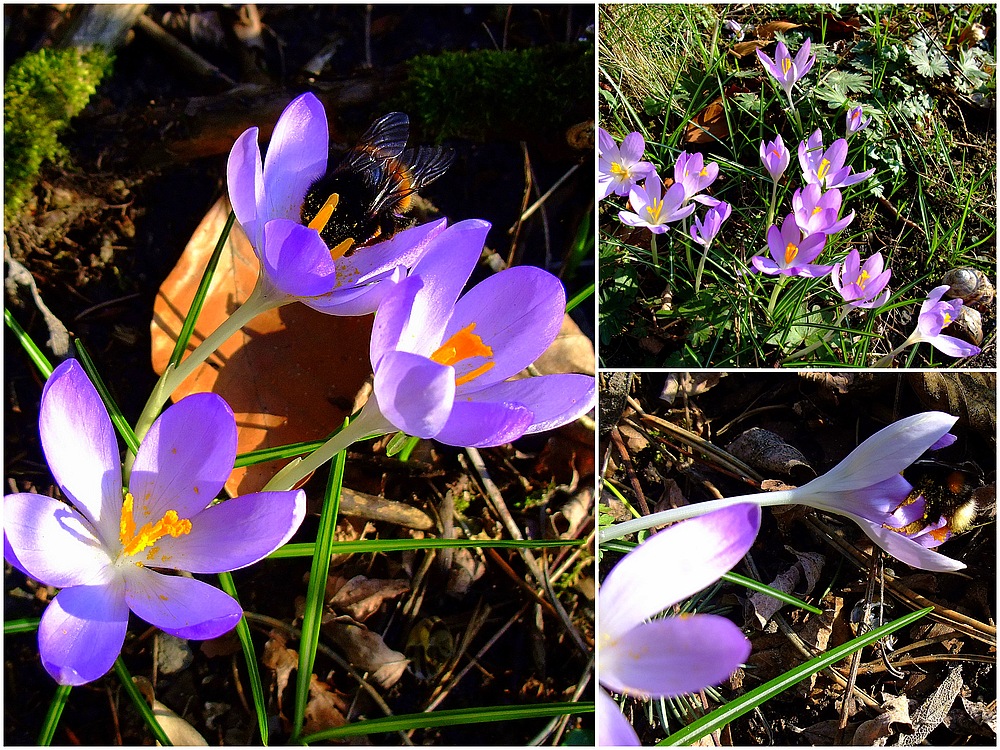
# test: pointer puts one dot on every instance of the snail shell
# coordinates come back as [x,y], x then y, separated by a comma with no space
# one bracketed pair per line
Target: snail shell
[968,326]
[971,286]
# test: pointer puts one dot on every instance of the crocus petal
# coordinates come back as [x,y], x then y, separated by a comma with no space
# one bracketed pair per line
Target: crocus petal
[82,632]
[296,157]
[952,346]
[518,313]
[245,177]
[673,656]
[554,400]
[391,320]
[53,543]
[478,424]
[234,533]
[181,607]
[765,265]
[632,147]
[673,564]
[605,142]
[882,456]
[907,550]
[414,393]
[296,260]
[80,446]
[613,729]
[185,458]
[404,248]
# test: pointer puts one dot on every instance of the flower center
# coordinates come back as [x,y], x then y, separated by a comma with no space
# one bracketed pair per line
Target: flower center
[786,65]
[791,250]
[462,345]
[322,218]
[862,279]
[654,210]
[618,170]
[134,541]
[816,210]
[824,168]
[947,320]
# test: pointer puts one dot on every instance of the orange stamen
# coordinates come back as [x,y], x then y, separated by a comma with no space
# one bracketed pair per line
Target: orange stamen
[322,216]
[462,345]
[133,542]
[791,250]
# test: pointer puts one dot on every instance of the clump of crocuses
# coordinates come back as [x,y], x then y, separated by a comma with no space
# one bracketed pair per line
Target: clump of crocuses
[113,549]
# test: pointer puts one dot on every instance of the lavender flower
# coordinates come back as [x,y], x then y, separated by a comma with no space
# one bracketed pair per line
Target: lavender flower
[936,315]
[856,121]
[669,656]
[826,168]
[444,365]
[102,551]
[654,210]
[619,169]
[704,232]
[862,285]
[866,487]
[296,263]
[786,71]
[691,171]
[816,211]
[791,254]
[775,157]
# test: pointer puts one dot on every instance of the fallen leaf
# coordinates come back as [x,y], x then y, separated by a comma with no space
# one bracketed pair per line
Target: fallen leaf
[572,351]
[742,49]
[768,30]
[325,708]
[290,375]
[367,652]
[466,569]
[709,125]
[279,659]
[362,597]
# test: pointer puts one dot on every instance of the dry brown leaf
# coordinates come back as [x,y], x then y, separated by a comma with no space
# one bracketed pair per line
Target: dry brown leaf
[367,652]
[325,708]
[290,375]
[768,30]
[742,49]
[765,450]
[466,569]
[895,710]
[572,351]
[362,597]
[709,125]
[279,659]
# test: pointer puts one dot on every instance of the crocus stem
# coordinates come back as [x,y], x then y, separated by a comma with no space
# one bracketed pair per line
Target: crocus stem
[796,120]
[261,300]
[763,499]
[886,361]
[368,424]
[773,205]
[701,268]
[778,283]
[652,248]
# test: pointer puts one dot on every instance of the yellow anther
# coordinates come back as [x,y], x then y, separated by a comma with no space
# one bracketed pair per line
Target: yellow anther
[817,210]
[862,279]
[323,215]
[654,210]
[824,169]
[462,345]
[786,64]
[618,169]
[133,542]
[791,250]
[341,249]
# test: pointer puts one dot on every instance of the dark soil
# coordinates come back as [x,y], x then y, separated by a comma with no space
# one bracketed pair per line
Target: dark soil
[106,226]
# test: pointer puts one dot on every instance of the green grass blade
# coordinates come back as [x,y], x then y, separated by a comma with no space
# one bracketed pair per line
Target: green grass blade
[117,418]
[306,549]
[140,703]
[580,296]
[26,625]
[277,453]
[253,674]
[312,618]
[199,296]
[54,713]
[736,708]
[448,718]
[40,361]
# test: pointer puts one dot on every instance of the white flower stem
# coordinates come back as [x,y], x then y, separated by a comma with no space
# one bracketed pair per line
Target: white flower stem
[261,300]
[368,424]
[652,248]
[701,267]
[762,499]
[774,203]
[886,361]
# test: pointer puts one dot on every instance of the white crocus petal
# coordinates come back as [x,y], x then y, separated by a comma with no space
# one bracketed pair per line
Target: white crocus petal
[906,550]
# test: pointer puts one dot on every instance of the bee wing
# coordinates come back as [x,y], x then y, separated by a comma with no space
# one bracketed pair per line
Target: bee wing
[387,135]
[427,164]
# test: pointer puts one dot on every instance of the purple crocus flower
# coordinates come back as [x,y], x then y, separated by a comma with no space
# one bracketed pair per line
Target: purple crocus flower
[653,209]
[791,254]
[826,168]
[444,365]
[862,285]
[296,263]
[816,211]
[856,121]
[935,315]
[691,171]
[103,553]
[619,169]
[786,70]
[775,157]
[669,656]
[703,232]
[866,487]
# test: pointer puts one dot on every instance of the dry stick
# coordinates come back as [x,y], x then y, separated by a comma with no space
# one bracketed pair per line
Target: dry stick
[272,622]
[558,723]
[493,494]
[616,438]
